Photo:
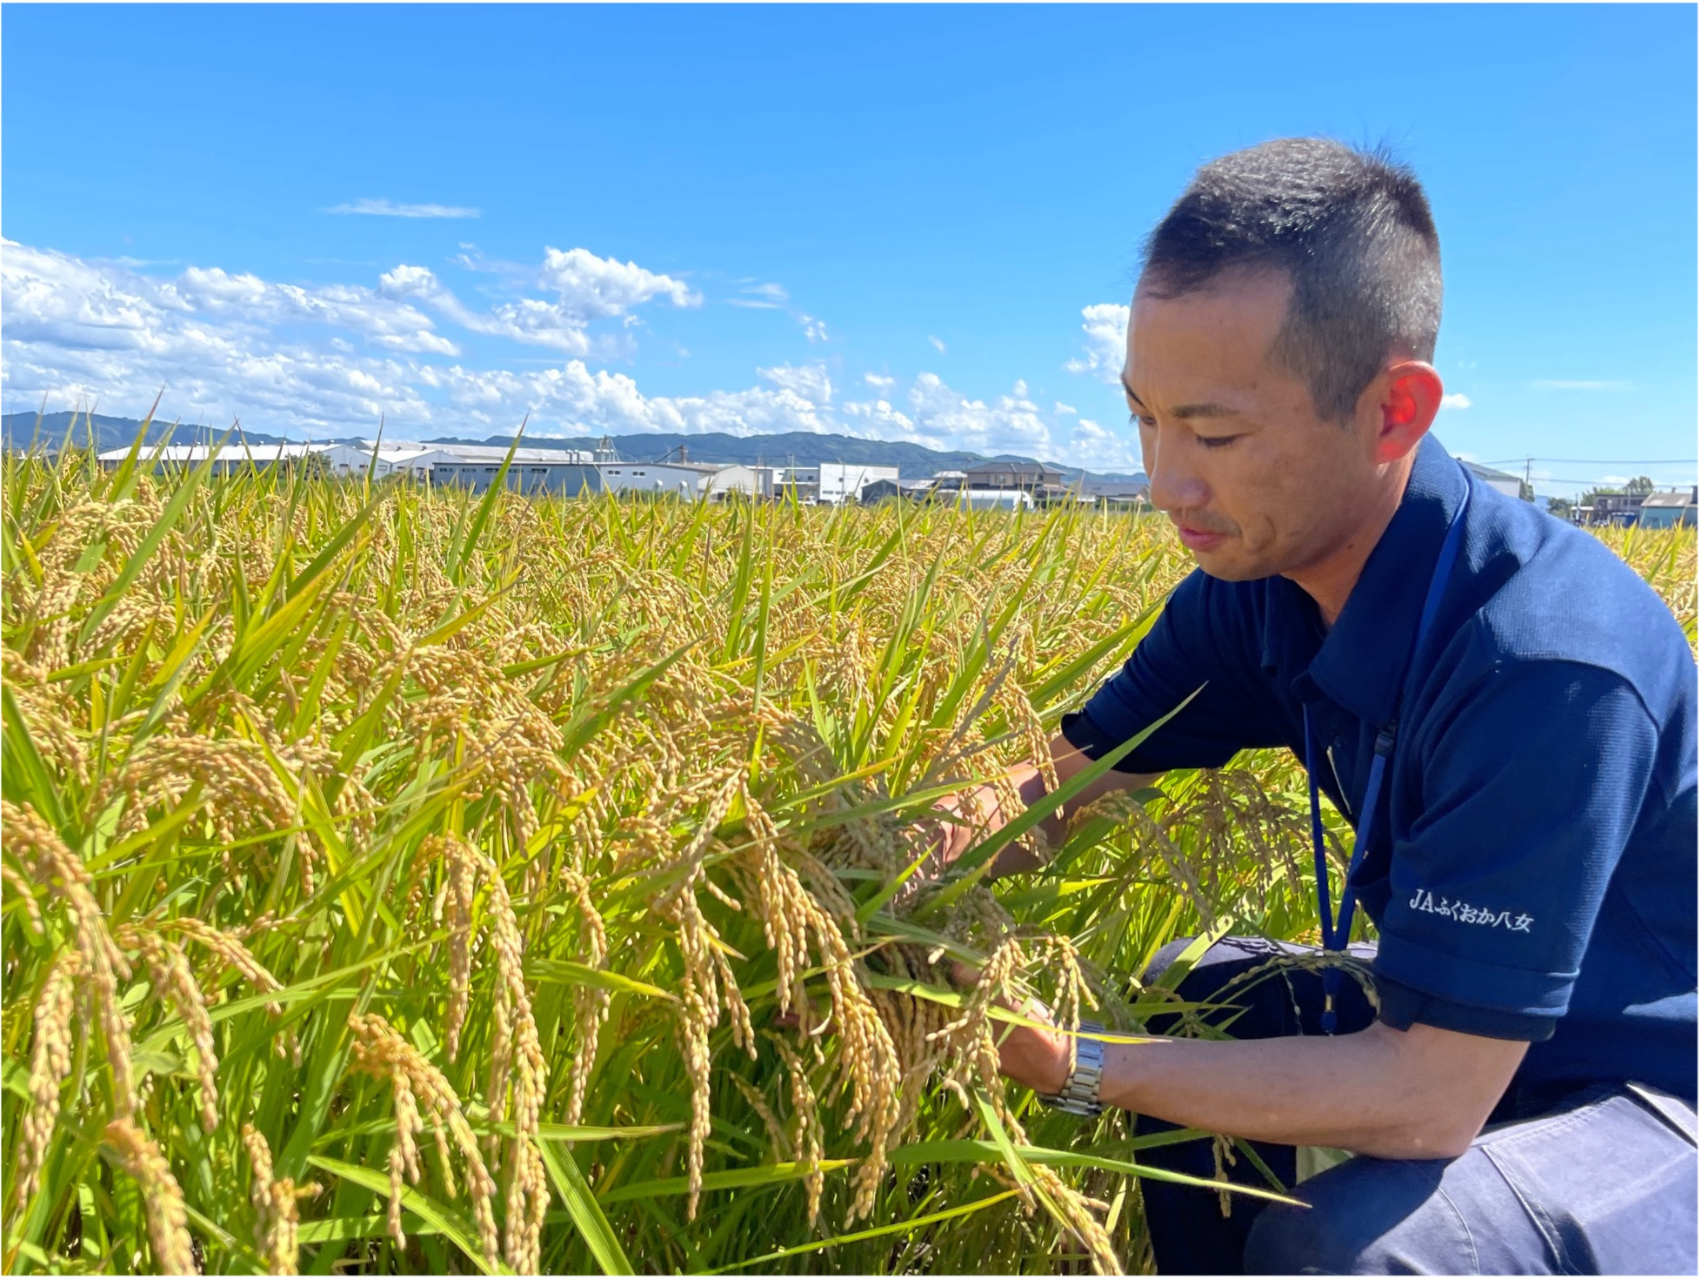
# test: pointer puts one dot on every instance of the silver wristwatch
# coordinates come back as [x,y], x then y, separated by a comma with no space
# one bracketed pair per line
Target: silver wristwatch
[1080,1094]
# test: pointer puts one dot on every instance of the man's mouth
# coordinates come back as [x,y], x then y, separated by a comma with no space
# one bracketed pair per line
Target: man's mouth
[1197,539]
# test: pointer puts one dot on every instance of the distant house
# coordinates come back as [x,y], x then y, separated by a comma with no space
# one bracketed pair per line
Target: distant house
[800,484]
[1615,508]
[1501,481]
[1035,478]
[1668,508]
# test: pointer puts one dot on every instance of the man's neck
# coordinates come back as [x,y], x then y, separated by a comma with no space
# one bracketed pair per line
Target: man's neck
[1330,579]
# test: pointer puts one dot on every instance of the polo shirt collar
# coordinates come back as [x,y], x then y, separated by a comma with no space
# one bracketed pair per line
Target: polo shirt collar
[1362,663]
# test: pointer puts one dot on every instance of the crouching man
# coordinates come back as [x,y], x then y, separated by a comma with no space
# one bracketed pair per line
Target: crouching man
[1502,708]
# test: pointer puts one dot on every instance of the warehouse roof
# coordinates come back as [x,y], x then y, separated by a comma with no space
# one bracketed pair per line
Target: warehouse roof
[200,452]
[1671,498]
[493,454]
[1485,473]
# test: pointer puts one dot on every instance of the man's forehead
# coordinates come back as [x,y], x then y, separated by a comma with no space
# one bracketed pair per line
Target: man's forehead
[1202,347]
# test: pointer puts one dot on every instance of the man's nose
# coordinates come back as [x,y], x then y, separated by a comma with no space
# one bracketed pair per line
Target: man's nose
[1172,479]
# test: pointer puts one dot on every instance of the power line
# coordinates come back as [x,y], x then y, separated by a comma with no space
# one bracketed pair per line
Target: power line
[1604,462]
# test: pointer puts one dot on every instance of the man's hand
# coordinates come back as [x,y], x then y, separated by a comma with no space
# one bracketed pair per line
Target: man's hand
[967,819]
[976,812]
[1038,1057]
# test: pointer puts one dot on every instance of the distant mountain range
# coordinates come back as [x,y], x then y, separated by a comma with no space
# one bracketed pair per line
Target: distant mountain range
[790,448]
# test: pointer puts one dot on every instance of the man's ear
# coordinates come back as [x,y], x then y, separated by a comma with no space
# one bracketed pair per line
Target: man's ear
[1409,394]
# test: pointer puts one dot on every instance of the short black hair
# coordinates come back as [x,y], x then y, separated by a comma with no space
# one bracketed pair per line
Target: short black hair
[1351,229]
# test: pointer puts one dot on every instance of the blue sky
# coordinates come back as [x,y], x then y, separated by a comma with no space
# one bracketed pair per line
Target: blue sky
[918,223]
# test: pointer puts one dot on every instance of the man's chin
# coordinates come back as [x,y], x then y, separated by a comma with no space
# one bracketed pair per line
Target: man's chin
[1223,564]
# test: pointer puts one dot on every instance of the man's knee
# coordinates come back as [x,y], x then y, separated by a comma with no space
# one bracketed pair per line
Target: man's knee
[1365,1217]
[1162,959]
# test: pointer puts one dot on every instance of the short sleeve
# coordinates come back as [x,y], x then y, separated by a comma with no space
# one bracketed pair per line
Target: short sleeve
[1203,637]
[1529,795]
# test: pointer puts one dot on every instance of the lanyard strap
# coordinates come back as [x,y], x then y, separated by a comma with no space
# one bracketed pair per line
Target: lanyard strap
[1335,930]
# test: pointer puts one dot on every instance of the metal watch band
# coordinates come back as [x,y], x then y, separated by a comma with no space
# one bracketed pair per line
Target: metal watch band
[1080,1094]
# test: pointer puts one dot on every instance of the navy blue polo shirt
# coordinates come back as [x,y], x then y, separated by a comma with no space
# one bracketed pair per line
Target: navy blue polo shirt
[1533,875]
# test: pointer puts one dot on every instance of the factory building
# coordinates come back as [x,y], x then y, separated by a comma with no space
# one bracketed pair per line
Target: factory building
[682,479]
[828,482]
[562,471]
[233,455]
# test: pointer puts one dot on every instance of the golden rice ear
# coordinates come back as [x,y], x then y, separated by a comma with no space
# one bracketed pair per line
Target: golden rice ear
[50,1066]
[26,836]
[162,1198]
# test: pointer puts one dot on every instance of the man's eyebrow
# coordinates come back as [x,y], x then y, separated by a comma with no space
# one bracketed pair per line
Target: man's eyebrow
[1208,410]
[1183,411]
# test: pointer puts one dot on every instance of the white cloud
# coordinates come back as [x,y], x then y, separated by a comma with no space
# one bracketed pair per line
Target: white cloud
[761,297]
[810,382]
[587,288]
[224,342]
[877,420]
[937,344]
[1456,400]
[1102,449]
[594,287]
[1106,326]
[330,359]
[1009,424]
[1564,384]
[60,300]
[1062,409]
[775,297]
[385,209]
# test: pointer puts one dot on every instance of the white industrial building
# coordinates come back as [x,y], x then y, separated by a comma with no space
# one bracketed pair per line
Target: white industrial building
[233,455]
[736,477]
[401,458]
[682,479]
[1501,481]
[829,482]
[990,499]
[565,471]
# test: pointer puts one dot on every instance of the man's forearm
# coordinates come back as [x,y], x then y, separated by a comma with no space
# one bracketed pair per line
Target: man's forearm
[1417,1094]
[1030,784]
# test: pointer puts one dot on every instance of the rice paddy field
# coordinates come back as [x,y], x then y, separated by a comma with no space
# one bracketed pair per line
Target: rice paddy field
[401,880]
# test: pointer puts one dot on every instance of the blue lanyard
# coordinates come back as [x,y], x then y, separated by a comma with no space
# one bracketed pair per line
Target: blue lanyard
[1335,931]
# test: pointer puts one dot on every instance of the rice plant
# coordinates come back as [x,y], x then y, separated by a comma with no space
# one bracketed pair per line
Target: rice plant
[398,879]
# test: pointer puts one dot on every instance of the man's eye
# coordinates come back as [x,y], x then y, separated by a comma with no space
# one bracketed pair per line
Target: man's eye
[1135,420]
[1216,442]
